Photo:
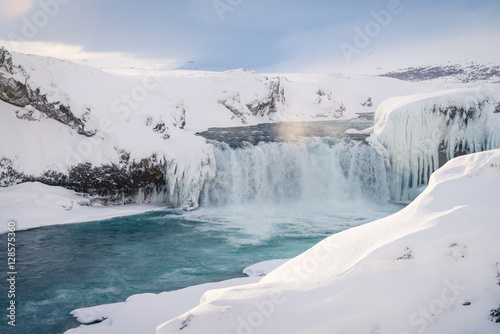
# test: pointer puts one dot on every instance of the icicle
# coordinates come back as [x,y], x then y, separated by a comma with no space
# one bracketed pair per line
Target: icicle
[417,133]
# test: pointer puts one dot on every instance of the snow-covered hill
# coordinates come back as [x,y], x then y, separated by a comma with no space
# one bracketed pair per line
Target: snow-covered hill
[472,72]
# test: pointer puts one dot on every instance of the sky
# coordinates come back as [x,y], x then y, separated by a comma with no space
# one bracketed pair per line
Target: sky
[254,34]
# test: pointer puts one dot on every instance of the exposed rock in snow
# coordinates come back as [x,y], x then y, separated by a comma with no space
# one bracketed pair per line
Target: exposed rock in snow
[455,73]
[15,90]
[262,105]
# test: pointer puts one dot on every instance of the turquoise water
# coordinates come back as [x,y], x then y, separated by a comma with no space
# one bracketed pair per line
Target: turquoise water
[64,267]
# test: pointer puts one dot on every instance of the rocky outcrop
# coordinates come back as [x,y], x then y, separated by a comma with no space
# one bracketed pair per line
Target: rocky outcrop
[20,94]
[264,106]
[268,105]
[421,134]
[233,104]
[114,183]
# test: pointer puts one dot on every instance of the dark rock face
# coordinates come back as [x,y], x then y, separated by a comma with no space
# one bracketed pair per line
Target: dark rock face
[233,104]
[106,184]
[116,183]
[20,94]
[162,129]
[8,174]
[14,92]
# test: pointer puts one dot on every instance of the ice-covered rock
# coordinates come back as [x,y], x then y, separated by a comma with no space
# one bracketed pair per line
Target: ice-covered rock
[419,133]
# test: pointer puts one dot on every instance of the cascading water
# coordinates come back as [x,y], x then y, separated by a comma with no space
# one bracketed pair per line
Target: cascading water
[309,162]
[308,170]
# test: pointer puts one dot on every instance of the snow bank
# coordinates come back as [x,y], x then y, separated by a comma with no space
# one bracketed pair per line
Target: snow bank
[33,204]
[419,133]
[142,313]
[431,267]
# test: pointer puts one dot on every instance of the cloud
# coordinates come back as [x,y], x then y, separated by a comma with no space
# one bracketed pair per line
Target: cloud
[12,9]
[252,34]
[77,54]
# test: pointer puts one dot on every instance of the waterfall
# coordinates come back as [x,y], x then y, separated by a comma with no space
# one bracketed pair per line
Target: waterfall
[314,162]
[309,170]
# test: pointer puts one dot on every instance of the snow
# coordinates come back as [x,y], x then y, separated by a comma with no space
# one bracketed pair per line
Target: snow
[33,204]
[431,267]
[152,309]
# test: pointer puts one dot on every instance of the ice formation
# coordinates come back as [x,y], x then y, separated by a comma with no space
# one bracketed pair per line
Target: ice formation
[419,133]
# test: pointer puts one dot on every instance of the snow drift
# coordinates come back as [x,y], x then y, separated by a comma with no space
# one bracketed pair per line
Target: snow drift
[431,267]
